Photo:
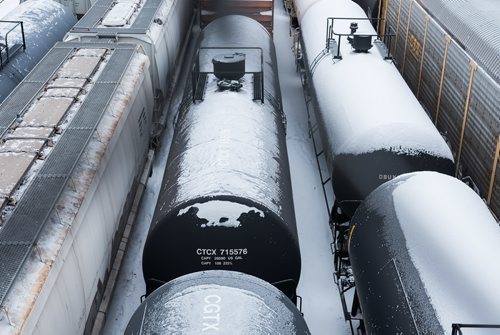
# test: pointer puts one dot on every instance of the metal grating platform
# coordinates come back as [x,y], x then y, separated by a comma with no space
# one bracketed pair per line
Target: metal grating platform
[21,231]
[31,212]
[143,20]
[48,65]
[89,23]
[69,148]
[93,16]
[12,258]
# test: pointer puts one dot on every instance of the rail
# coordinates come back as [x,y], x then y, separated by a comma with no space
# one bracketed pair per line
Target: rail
[7,50]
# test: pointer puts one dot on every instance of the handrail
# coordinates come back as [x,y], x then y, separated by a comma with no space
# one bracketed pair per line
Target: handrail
[5,47]
[330,32]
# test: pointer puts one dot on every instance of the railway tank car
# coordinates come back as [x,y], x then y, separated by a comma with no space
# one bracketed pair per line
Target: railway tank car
[43,24]
[74,138]
[424,252]
[217,302]
[159,26]
[226,199]
[372,127]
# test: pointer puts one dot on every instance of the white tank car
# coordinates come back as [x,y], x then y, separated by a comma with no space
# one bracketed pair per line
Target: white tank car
[71,156]
[159,26]
[372,126]
[44,23]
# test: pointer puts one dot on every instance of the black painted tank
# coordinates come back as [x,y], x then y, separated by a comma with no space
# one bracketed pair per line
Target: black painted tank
[217,302]
[356,175]
[421,249]
[371,7]
[226,199]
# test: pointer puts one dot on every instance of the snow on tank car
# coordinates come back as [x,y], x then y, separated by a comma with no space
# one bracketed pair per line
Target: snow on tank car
[74,136]
[424,252]
[226,199]
[159,26]
[44,22]
[217,302]
[373,128]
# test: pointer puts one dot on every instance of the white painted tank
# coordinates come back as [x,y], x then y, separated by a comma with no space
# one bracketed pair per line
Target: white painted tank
[373,128]
[63,274]
[301,7]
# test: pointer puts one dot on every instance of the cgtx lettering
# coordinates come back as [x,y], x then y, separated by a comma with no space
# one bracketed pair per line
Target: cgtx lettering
[211,312]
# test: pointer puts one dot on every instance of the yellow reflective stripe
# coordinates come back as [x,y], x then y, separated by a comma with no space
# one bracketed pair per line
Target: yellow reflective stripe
[494,171]
[406,40]
[385,7]
[447,40]
[350,237]
[473,67]
[397,26]
[427,18]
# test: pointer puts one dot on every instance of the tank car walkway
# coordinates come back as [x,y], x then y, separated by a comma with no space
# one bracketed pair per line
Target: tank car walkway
[320,299]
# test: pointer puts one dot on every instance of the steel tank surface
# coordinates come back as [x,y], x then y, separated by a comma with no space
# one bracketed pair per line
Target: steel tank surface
[44,22]
[424,249]
[372,127]
[226,200]
[217,302]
